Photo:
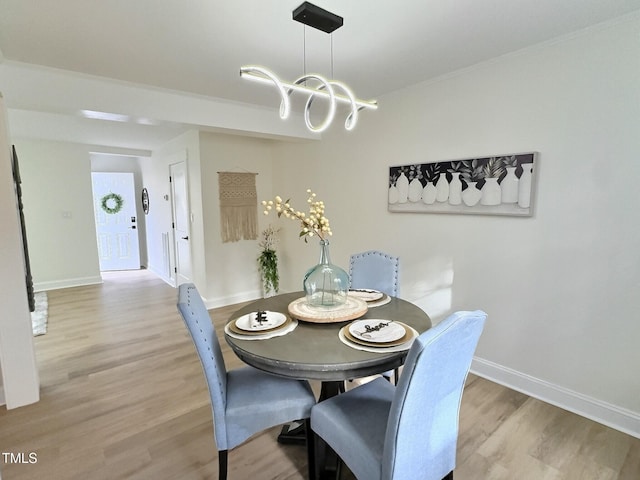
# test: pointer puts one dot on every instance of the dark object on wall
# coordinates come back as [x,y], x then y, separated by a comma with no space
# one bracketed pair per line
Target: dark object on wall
[145,201]
[27,263]
[317,17]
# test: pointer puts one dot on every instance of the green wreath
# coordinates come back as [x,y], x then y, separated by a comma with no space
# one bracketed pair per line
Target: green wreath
[116,203]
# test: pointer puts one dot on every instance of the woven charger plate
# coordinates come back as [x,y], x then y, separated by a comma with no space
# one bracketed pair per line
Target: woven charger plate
[235,329]
[352,309]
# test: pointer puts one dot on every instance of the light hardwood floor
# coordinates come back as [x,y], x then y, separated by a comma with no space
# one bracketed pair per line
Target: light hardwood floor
[123,396]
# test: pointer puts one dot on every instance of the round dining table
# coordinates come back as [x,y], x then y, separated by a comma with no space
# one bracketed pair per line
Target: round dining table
[313,351]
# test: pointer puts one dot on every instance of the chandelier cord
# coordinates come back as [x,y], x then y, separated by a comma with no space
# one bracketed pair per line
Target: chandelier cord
[304,52]
[331,48]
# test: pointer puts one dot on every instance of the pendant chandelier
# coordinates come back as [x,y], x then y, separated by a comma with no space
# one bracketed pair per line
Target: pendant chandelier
[313,85]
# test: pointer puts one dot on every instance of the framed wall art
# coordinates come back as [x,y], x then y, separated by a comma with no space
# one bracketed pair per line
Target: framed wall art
[499,185]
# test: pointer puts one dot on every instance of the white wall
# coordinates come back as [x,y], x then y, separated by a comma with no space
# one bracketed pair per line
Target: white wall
[231,268]
[58,208]
[561,288]
[155,176]
[224,273]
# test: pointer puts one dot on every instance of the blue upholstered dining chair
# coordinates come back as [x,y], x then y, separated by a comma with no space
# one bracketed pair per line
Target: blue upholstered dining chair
[244,401]
[382,432]
[375,270]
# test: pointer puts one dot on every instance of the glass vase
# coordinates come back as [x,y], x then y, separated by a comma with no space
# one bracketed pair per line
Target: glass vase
[326,285]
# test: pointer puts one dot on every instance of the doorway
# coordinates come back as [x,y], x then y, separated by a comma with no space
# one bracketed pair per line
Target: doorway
[116,220]
[181,222]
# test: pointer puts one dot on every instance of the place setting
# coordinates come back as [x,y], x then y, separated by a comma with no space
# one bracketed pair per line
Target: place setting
[378,335]
[373,298]
[260,325]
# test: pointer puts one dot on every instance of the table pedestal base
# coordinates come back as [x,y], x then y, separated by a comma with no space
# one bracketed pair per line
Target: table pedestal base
[293,433]
[327,462]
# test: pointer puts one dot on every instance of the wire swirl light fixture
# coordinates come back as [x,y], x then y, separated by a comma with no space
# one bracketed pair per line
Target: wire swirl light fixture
[320,19]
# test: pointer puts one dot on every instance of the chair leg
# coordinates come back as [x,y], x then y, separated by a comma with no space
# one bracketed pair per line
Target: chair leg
[311,450]
[449,476]
[222,464]
[396,376]
[339,469]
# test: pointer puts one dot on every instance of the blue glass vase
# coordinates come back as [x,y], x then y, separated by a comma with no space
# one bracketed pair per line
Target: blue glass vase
[326,285]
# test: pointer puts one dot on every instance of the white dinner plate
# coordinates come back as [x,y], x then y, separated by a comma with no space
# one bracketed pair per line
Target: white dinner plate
[377,330]
[250,323]
[366,294]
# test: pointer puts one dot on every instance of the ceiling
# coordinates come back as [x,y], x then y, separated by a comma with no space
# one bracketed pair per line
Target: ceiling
[187,55]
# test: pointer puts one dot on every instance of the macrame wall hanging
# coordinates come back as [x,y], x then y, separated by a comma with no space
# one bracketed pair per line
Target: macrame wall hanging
[238,206]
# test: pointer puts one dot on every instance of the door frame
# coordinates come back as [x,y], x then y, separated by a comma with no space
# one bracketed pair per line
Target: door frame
[176,264]
[131,204]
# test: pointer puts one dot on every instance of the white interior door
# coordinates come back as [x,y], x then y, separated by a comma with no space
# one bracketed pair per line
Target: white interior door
[181,223]
[116,221]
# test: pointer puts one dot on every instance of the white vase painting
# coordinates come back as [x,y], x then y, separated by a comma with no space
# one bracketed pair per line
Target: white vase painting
[509,186]
[491,192]
[524,191]
[471,195]
[455,189]
[442,188]
[496,185]
[403,188]
[429,193]
[415,190]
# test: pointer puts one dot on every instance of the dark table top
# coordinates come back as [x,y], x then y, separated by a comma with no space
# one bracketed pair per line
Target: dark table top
[313,351]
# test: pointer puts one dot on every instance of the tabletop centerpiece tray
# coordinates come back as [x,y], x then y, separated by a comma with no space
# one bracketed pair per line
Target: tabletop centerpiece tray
[353,308]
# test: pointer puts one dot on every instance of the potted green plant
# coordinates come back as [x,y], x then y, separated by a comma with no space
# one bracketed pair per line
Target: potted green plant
[268,261]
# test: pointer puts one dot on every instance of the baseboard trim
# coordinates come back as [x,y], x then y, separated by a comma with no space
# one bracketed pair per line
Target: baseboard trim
[599,411]
[66,283]
[232,299]
[157,273]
